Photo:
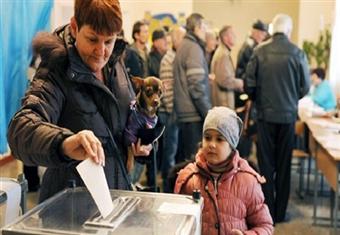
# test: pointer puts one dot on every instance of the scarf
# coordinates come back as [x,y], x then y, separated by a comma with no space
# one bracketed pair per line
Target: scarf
[225,166]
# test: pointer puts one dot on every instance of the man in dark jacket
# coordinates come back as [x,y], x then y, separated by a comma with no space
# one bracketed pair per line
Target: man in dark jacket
[78,102]
[138,49]
[158,50]
[277,77]
[191,87]
[258,33]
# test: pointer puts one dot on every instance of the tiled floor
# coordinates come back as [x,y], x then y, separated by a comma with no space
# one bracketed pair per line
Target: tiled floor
[301,210]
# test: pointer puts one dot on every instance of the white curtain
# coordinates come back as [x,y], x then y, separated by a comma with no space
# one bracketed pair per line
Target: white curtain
[334,70]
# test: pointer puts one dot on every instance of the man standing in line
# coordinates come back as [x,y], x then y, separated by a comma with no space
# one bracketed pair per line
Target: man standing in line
[225,83]
[277,76]
[140,35]
[166,112]
[257,34]
[191,87]
[158,50]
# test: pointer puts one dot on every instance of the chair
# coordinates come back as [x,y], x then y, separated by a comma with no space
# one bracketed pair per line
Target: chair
[300,152]
[248,137]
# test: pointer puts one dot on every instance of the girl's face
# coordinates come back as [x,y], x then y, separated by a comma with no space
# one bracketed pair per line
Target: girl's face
[215,146]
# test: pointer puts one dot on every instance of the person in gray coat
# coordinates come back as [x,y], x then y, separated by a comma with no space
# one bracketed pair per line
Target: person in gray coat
[277,76]
[191,87]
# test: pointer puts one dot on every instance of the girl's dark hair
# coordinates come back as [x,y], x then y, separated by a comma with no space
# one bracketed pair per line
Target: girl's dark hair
[104,16]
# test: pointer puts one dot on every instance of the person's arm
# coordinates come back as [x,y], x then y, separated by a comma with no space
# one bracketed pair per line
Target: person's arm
[36,139]
[167,77]
[197,79]
[251,77]
[153,66]
[225,77]
[242,61]
[258,217]
[323,96]
[33,134]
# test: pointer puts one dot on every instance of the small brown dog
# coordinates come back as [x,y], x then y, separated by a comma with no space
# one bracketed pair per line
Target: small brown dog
[143,111]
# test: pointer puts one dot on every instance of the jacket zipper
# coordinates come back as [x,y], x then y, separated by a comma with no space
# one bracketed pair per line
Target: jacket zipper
[215,188]
[215,204]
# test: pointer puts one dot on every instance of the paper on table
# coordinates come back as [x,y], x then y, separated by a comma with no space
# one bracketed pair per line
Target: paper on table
[94,178]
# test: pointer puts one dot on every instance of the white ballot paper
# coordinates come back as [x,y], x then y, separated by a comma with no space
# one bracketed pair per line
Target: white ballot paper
[94,178]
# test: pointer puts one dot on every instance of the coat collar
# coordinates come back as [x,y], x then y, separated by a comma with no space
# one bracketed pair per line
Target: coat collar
[239,165]
[280,36]
[192,37]
[79,71]
[202,165]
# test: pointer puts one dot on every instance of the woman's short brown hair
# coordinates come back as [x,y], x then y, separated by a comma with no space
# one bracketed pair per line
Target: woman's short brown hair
[104,16]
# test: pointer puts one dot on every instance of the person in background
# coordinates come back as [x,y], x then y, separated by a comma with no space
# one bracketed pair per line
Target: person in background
[158,50]
[132,61]
[321,92]
[140,35]
[191,87]
[231,189]
[77,104]
[210,46]
[166,111]
[225,82]
[277,76]
[258,33]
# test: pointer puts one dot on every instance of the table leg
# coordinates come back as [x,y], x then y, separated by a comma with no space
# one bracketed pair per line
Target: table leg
[336,202]
[316,175]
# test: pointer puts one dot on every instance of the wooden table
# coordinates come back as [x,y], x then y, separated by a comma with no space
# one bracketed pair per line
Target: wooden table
[324,143]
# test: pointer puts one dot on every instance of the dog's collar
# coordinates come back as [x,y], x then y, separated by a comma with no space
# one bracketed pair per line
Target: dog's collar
[134,105]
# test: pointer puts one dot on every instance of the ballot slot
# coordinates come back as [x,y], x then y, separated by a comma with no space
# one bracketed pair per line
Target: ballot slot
[122,208]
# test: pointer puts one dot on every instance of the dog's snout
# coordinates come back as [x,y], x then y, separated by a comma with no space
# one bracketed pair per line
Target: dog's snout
[155,102]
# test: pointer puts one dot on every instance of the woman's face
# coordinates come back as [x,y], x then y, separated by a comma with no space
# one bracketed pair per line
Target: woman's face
[215,146]
[315,79]
[94,49]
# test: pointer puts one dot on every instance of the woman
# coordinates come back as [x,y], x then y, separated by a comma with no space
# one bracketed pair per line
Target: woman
[322,93]
[77,104]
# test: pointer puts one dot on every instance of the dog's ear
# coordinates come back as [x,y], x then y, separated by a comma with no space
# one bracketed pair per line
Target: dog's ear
[137,83]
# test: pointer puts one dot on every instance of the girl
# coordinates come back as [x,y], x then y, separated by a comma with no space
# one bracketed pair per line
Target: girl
[233,199]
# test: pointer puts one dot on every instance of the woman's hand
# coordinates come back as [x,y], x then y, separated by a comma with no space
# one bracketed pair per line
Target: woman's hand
[141,150]
[84,145]
[236,232]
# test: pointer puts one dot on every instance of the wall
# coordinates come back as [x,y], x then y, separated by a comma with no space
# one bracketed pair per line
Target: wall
[61,13]
[334,70]
[133,10]
[241,13]
[315,16]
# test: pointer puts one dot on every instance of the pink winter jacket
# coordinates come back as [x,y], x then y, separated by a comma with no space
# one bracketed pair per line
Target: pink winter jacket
[234,200]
